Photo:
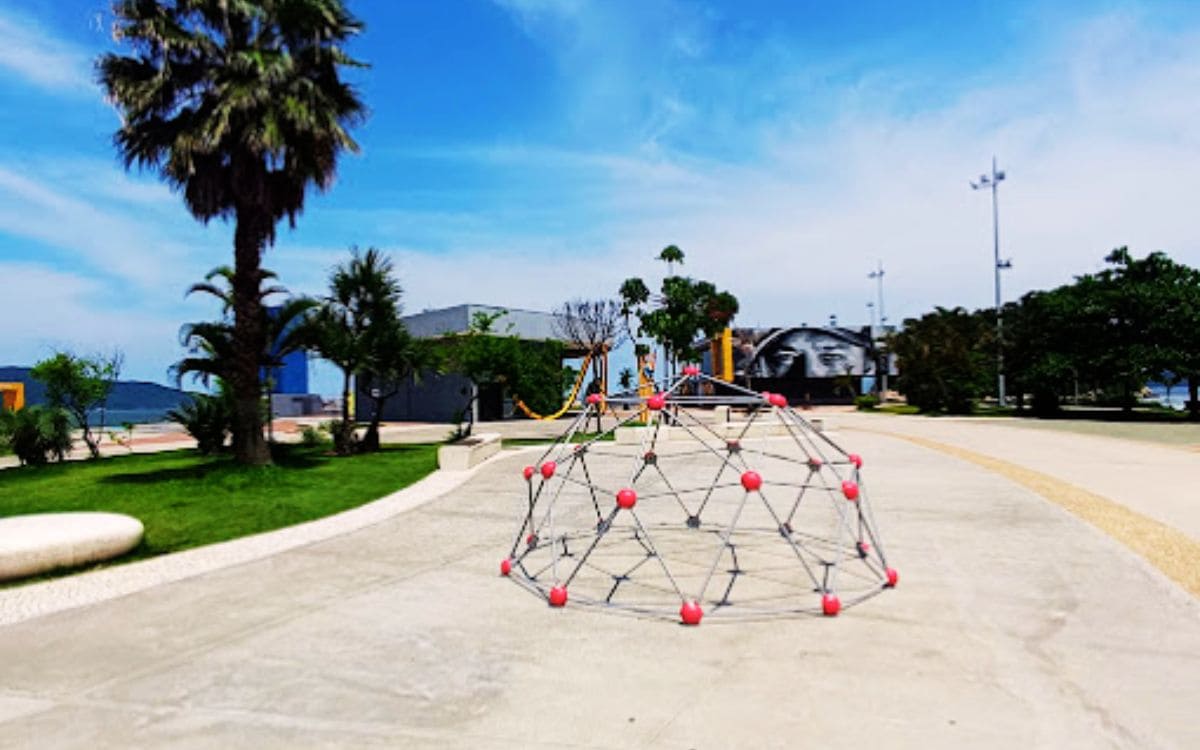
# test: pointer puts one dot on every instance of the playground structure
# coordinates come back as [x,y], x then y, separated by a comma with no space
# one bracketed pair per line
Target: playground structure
[700,516]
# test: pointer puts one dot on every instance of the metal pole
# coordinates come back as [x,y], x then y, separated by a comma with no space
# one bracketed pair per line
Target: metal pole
[883,371]
[999,318]
[993,181]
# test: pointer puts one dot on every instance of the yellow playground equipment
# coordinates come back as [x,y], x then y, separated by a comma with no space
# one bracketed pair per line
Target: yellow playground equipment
[583,370]
[721,350]
[12,396]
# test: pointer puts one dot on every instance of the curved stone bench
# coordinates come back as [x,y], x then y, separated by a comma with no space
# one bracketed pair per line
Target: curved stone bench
[40,542]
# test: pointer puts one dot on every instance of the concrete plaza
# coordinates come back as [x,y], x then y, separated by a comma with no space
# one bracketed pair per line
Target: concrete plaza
[1015,624]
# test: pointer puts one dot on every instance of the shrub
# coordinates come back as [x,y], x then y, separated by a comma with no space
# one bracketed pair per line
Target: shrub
[37,433]
[867,402]
[315,437]
[208,419]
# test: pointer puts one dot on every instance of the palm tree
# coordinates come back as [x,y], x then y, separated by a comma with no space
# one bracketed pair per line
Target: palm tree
[671,255]
[239,105]
[212,351]
[362,308]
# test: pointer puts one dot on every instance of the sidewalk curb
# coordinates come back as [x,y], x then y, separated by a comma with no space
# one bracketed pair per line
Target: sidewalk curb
[23,603]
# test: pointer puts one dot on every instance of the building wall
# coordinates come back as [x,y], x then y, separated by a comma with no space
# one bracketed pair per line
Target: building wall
[436,398]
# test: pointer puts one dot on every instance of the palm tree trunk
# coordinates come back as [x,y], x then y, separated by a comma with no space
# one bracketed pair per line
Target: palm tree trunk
[248,337]
[345,429]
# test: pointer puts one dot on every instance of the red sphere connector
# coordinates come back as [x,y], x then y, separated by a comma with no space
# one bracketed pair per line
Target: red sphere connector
[850,490]
[656,402]
[856,460]
[830,605]
[892,578]
[778,399]
[814,463]
[751,480]
[593,398]
[626,499]
[691,613]
[558,596]
[505,566]
[548,469]
[691,370]
[528,472]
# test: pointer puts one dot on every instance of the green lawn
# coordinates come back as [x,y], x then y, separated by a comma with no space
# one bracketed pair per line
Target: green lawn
[186,500]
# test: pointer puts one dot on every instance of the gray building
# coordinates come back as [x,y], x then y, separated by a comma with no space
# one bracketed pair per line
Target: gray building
[442,397]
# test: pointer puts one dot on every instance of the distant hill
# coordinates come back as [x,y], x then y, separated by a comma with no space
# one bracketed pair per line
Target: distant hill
[126,395]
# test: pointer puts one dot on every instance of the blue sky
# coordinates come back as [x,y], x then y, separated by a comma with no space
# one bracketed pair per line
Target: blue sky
[524,152]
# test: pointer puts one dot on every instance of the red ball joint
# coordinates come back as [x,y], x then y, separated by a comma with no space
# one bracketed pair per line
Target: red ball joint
[766,396]
[892,578]
[778,399]
[505,566]
[626,499]
[656,402]
[691,371]
[830,605]
[548,469]
[814,463]
[751,481]
[856,460]
[558,596]
[593,398]
[864,549]
[691,613]
[528,472]
[850,490]
[531,540]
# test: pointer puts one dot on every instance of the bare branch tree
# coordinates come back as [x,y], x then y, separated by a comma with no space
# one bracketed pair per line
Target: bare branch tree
[593,326]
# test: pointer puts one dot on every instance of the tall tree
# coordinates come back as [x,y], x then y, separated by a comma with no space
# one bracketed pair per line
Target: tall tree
[211,349]
[358,317]
[241,107]
[685,309]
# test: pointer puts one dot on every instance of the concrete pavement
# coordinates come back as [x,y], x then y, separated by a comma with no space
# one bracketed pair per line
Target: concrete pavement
[1015,624]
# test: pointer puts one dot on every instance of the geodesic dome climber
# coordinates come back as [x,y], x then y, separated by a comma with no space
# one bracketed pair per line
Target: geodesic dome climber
[704,500]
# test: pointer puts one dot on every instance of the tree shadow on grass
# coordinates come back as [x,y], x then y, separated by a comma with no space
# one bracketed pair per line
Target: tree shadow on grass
[205,468]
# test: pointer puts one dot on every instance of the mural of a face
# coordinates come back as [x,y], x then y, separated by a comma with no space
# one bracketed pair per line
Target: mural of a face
[805,353]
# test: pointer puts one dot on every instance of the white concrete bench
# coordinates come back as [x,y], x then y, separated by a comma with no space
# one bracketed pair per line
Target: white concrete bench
[41,542]
[468,453]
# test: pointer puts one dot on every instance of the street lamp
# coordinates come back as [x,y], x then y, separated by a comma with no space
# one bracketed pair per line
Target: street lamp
[877,275]
[992,181]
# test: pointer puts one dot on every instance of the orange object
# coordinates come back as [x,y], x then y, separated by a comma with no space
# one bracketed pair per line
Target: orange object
[12,396]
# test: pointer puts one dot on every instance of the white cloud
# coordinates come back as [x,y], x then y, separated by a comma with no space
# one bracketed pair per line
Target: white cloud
[43,60]
[45,310]
[1098,137]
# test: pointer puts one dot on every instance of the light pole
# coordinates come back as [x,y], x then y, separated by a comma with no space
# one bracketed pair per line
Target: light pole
[877,274]
[992,181]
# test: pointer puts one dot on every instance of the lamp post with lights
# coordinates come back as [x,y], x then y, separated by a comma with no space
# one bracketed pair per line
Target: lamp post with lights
[992,181]
[877,275]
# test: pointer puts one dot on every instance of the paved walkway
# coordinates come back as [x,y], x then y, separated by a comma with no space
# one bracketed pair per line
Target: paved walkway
[1015,624]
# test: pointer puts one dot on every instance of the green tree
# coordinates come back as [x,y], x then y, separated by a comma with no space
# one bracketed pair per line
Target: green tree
[79,385]
[241,107]
[671,255]
[943,360]
[530,370]
[684,310]
[211,345]
[356,325]
[394,357]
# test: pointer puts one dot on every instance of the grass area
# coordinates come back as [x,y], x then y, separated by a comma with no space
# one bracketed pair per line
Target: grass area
[187,500]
